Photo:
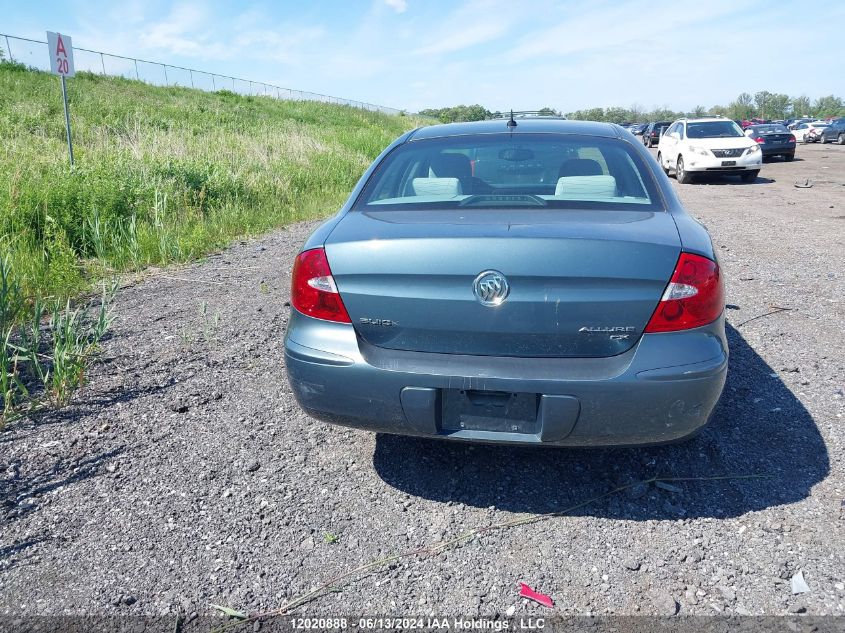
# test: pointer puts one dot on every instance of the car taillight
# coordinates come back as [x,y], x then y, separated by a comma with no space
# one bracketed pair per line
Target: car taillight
[694,297]
[313,290]
[759,139]
[791,138]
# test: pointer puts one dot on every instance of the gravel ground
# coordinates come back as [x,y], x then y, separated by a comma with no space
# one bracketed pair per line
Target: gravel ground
[184,474]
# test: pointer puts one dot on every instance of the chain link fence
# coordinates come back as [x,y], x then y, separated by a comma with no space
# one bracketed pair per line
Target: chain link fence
[33,53]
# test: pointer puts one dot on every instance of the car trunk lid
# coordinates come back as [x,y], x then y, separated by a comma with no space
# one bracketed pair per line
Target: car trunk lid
[582,283]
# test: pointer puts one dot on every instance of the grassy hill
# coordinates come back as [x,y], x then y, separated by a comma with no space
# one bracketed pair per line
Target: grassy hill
[162,174]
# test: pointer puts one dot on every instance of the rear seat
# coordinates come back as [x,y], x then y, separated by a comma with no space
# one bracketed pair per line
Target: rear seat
[586,187]
[436,187]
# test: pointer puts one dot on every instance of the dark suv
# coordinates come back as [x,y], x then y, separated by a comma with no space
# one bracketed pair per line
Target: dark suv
[651,135]
[834,132]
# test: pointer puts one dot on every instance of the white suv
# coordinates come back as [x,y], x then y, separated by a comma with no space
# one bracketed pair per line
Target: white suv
[710,144]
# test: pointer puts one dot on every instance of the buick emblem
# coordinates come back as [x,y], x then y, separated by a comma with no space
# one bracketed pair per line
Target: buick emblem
[491,288]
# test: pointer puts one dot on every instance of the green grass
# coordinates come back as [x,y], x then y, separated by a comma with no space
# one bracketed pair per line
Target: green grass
[162,175]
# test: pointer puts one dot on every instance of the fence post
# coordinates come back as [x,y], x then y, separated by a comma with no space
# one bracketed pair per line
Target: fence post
[166,80]
[137,74]
[233,85]
[192,77]
[103,63]
[9,50]
[213,83]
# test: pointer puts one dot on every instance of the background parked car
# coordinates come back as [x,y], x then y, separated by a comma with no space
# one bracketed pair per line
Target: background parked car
[794,123]
[774,140]
[834,132]
[708,145]
[652,133]
[637,129]
[809,132]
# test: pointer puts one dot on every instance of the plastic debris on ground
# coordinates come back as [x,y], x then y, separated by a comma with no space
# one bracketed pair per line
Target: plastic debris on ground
[799,585]
[540,598]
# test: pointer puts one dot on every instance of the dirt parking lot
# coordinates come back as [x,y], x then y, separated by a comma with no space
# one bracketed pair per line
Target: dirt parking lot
[185,475]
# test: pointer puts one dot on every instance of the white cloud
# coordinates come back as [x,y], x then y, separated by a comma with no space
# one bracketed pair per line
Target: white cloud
[400,6]
[464,37]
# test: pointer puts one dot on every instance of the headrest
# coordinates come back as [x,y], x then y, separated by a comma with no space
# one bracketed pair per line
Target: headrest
[580,167]
[451,166]
[586,187]
[436,186]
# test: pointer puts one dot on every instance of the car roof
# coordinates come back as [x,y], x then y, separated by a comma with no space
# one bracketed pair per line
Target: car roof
[523,126]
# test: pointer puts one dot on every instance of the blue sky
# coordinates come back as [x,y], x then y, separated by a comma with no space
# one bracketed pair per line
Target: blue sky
[502,54]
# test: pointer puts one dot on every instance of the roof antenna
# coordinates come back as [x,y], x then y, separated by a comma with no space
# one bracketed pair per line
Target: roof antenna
[511,122]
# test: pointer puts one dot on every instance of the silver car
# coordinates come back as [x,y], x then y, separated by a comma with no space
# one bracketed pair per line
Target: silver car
[525,282]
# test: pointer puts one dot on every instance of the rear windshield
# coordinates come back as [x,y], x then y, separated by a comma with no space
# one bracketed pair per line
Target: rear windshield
[713,129]
[771,129]
[512,170]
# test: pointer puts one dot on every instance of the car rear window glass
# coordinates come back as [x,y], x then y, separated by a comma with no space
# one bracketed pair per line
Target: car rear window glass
[772,129]
[713,129]
[512,170]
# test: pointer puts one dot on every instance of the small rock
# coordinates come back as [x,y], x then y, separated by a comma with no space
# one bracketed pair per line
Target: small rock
[663,602]
[668,487]
[727,593]
[510,610]
[227,493]
[253,466]
[796,608]
[128,600]
[740,610]
[632,564]
[636,491]
[671,508]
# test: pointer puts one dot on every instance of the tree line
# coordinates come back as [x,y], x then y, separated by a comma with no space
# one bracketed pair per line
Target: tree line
[763,104]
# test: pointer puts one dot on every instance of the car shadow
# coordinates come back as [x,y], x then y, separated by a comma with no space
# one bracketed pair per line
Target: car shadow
[760,433]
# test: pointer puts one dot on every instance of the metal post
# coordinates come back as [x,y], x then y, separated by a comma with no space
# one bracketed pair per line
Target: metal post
[103,62]
[9,50]
[137,74]
[166,80]
[233,84]
[192,77]
[213,83]
[67,121]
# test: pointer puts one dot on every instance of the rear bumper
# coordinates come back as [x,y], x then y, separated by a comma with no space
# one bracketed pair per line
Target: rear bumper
[778,150]
[662,390]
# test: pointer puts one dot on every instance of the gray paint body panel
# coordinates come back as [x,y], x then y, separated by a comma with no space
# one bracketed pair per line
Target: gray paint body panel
[654,388]
[661,390]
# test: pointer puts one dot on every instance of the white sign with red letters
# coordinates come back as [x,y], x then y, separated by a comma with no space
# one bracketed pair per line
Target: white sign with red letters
[61,54]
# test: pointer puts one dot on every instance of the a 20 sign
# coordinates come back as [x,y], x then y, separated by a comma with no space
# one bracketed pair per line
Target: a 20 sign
[61,54]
